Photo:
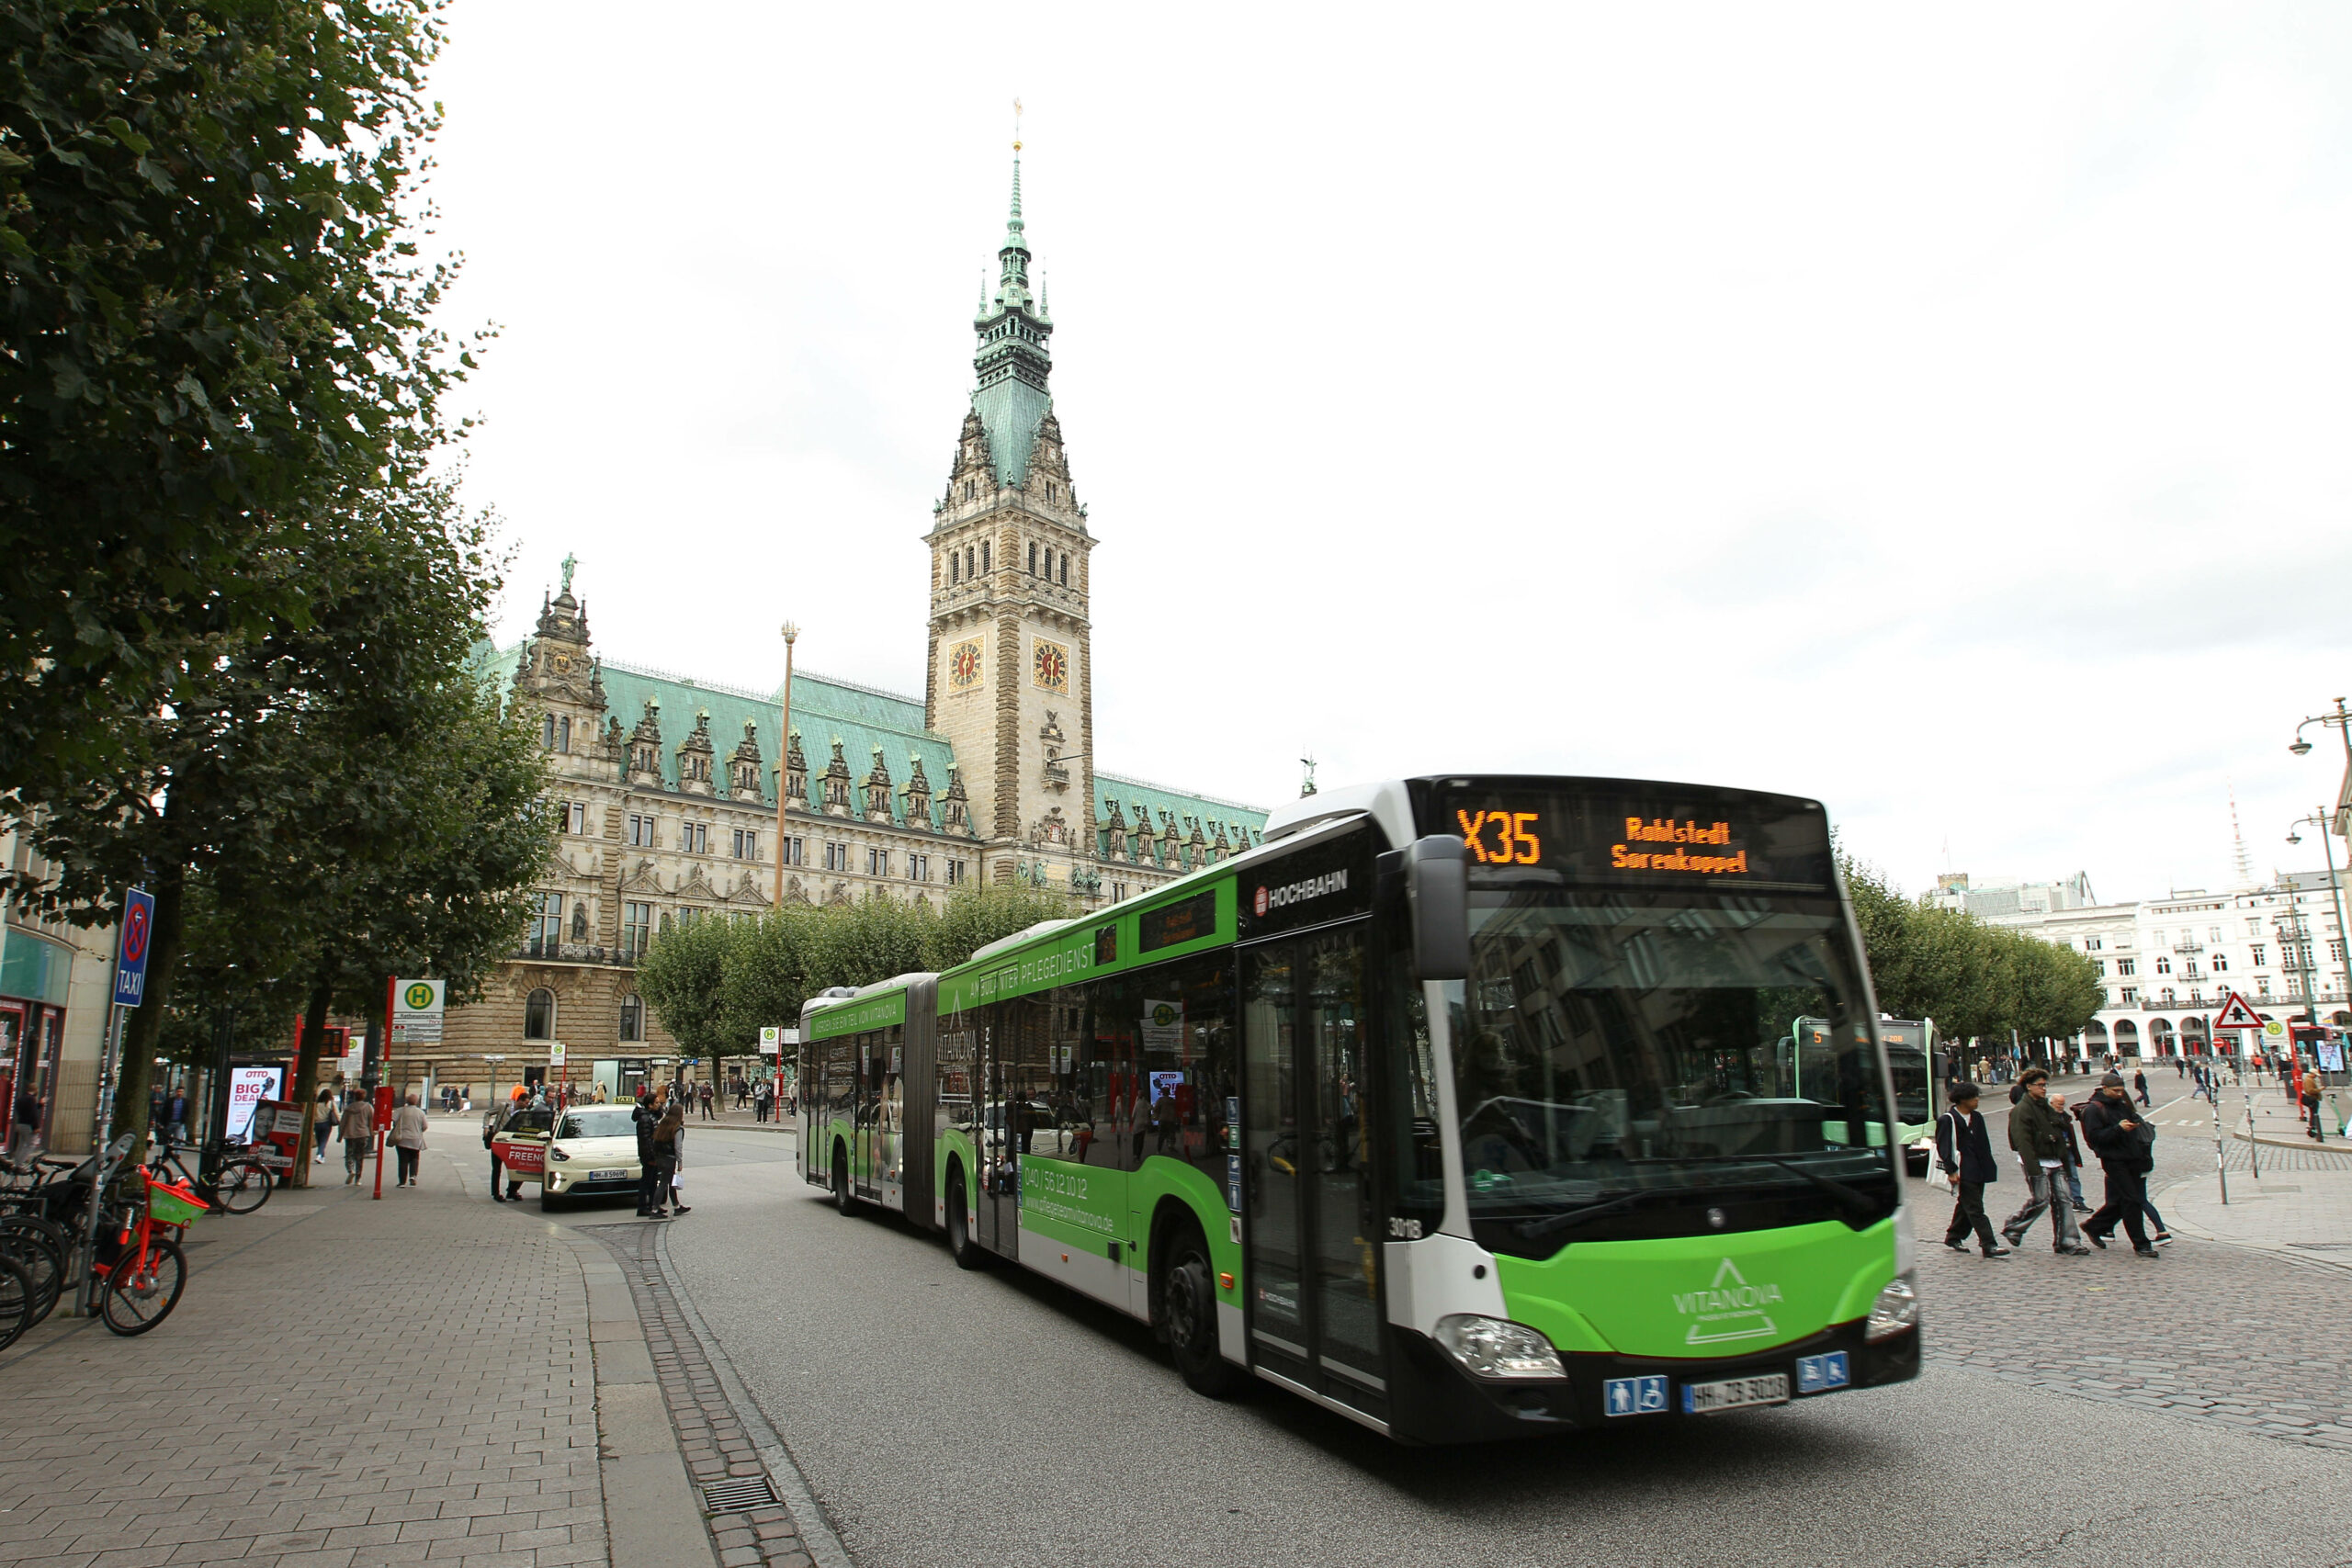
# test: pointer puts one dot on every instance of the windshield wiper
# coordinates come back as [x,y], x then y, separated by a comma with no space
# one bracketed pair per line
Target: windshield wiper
[1852,1199]
[1536,1230]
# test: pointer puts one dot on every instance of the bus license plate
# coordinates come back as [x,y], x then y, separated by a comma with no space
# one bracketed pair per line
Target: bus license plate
[1734,1393]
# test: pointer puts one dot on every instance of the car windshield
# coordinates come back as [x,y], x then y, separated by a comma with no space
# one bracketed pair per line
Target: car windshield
[599,1121]
[1624,1066]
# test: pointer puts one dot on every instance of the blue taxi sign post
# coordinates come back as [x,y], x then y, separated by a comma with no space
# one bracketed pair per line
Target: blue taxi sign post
[130,953]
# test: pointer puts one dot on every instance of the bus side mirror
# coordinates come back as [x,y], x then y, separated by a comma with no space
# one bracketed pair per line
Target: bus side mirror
[1437,898]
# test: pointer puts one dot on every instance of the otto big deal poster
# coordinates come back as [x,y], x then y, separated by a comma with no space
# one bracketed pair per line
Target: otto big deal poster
[248,1087]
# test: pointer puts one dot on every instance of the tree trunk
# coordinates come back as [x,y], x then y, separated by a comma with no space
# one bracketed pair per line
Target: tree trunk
[165,938]
[306,1080]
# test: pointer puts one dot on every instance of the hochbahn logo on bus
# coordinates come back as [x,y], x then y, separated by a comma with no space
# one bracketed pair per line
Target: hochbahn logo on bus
[1271,898]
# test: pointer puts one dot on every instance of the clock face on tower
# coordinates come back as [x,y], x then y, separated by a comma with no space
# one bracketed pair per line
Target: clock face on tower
[1051,666]
[964,665]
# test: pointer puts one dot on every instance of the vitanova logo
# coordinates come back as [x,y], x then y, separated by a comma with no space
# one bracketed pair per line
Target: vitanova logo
[1270,899]
[1731,1308]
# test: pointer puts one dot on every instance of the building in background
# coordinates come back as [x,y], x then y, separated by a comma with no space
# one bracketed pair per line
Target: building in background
[55,983]
[665,784]
[2170,964]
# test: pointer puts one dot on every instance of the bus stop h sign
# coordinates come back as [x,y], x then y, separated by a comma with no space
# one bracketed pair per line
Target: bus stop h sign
[416,1012]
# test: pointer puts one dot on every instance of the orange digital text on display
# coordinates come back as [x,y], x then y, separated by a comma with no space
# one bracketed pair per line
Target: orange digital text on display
[1514,843]
[1665,830]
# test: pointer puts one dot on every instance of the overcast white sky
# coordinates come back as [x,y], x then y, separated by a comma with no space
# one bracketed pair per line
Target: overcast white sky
[1941,413]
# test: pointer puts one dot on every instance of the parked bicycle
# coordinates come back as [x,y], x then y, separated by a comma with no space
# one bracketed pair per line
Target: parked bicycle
[140,1270]
[239,1183]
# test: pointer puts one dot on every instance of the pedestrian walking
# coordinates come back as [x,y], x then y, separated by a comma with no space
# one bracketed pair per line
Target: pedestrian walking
[677,1179]
[2125,1146]
[1965,1153]
[359,1126]
[2140,1085]
[408,1137]
[707,1095]
[2069,1122]
[646,1117]
[2035,1133]
[664,1145]
[321,1125]
[2313,1100]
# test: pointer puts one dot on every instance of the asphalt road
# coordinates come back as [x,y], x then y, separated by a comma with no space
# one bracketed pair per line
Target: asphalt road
[946,1417]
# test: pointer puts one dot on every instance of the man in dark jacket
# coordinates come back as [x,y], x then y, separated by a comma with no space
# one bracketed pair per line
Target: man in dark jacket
[1965,1151]
[647,1116]
[2112,1128]
[2037,1134]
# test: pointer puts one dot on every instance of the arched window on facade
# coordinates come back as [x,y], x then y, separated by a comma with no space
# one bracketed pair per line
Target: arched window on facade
[538,1015]
[633,1016]
[578,922]
[1032,557]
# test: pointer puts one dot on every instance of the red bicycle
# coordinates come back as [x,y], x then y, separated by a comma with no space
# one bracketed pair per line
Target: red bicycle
[141,1282]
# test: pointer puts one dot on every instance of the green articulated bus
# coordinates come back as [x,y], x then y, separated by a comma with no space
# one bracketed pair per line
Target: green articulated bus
[1460,1106]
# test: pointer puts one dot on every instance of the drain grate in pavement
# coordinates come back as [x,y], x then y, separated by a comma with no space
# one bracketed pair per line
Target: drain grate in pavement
[733,1496]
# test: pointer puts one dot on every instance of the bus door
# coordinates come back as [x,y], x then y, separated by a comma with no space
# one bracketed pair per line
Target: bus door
[1311,1240]
[995,1134]
[862,1111]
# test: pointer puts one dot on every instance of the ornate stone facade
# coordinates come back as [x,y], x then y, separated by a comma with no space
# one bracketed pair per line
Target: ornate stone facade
[666,787]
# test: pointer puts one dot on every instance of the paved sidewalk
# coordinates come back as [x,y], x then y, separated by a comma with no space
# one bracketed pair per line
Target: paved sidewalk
[346,1381]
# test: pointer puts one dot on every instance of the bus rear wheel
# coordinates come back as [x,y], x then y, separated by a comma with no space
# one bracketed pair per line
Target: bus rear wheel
[841,1199]
[968,1253]
[1188,1307]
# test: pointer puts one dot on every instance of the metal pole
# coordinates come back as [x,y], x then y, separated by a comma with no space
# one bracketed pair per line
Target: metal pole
[2336,892]
[86,1253]
[783,757]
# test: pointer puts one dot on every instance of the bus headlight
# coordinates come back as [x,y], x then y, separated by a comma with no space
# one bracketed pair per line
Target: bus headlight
[1493,1348]
[1895,1311]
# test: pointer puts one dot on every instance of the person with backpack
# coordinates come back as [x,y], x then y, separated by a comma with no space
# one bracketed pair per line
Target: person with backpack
[1965,1151]
[2125,1144]
[2313,1100]
[2035,1133]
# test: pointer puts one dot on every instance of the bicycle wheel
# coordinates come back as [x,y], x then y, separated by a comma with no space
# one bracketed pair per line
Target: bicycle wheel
[17,1300]
[136,1301]
[244,1186]
[36,1244]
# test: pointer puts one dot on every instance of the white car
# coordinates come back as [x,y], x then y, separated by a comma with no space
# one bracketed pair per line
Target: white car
[594,1151]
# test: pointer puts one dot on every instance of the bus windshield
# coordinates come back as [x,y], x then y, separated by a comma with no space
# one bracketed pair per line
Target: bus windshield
[1623,1068]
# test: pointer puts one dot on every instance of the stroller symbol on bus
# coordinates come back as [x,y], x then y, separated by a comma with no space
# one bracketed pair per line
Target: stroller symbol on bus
[1635,1396]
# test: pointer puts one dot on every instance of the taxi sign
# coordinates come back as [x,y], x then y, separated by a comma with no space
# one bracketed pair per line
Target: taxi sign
[2236,1014]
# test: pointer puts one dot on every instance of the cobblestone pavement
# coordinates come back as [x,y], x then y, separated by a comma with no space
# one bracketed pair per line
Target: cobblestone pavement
[314,1401]
[2232,1335]
[720,1431]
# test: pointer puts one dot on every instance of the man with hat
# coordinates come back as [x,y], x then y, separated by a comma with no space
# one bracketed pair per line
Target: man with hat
[2111,1124]
[1966,1154]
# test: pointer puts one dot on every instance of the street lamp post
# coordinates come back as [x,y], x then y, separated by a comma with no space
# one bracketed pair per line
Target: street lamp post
[2341,722]
[2320,820]
[783,757]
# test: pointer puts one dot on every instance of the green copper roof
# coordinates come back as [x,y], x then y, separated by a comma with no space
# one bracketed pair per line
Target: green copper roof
[1136,798]
[1014,361]
[823,710]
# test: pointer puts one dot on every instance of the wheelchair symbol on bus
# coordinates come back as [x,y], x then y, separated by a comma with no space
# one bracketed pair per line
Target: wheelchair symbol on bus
[1635,1396]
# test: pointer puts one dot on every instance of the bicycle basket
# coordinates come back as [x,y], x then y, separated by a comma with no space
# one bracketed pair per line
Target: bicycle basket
[173,1206]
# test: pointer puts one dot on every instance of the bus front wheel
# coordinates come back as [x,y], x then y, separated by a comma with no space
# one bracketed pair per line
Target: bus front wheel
[1188,1305]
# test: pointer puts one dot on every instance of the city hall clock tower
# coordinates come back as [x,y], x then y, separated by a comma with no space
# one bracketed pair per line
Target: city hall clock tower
[1010,676]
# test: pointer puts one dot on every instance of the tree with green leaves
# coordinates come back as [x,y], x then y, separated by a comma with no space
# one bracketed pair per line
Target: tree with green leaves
[682,976]
[215,329]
